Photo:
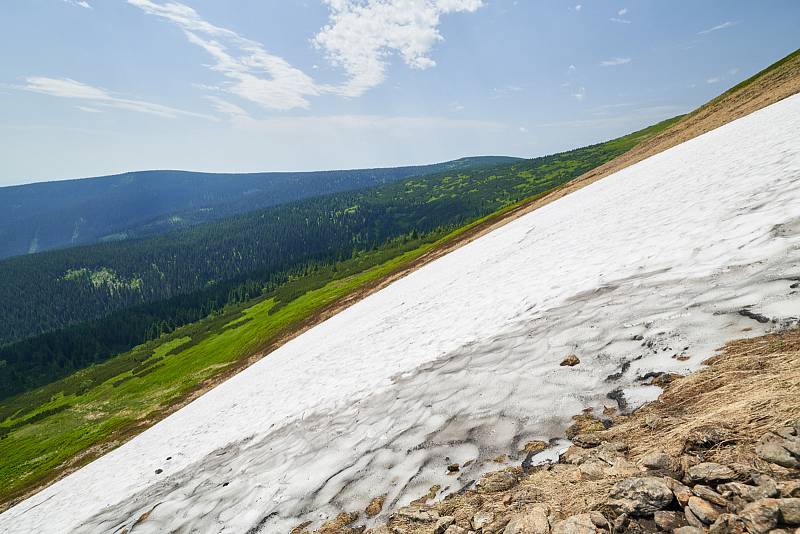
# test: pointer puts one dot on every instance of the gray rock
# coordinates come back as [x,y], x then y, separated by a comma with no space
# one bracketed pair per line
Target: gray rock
[455,529]
[692,519]
[533,521]
[688,530]
[416,514]
[669,521]
[745,491]
[581,524]
[641,496]
[481,519]
[681,492]
[443,524]
[704,492]
[704,510]
[790,510]
[790,488]
[710,472]
[761,516]
[656,460]
[727,524]
[766,484]
[496,482]
[777,449]
[587,440]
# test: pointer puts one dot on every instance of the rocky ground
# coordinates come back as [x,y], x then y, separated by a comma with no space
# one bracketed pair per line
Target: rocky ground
[719,452]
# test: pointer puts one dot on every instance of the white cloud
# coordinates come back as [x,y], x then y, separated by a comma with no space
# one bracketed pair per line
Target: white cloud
[79,3]
[363,34]
[614,61]
[67,88]
[87,109]
[622,12]
[712,80]
[571,69]
[360,37]
[619,20]
[580,94]
[718,27]
[578,7]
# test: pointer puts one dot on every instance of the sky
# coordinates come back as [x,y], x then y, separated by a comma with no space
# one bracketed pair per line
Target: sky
[95,87]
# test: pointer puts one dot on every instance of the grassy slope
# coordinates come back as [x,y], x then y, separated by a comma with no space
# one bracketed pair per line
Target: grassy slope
[67,423]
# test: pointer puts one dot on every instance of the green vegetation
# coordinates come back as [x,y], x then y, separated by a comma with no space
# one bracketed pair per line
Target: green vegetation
[65,310]
[44,428]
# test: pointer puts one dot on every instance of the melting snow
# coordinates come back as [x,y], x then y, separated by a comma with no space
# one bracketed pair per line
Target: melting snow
[459,361]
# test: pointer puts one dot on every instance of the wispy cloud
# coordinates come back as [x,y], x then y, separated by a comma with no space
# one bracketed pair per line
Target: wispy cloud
[67,88]
[508,91]
[578,7]
[359,38]
[87,109]
[622,12]
[79,3]
[618,19]
[614,61]
[580,94]
[726,24]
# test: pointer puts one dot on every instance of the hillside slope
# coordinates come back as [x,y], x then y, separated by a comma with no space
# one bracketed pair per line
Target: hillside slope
[648,270]
[48,215]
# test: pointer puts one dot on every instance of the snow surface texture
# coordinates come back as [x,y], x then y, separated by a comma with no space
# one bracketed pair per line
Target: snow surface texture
[460,360]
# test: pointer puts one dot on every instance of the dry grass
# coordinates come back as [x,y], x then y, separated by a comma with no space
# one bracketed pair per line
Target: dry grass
[751,387]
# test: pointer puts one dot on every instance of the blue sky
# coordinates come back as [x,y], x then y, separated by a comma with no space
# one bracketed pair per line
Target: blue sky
[91,87]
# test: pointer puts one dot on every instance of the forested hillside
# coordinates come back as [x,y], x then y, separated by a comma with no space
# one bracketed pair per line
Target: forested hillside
[88,303]
[43,216]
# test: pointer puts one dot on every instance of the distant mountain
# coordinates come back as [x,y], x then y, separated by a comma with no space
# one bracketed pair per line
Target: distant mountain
[49,215]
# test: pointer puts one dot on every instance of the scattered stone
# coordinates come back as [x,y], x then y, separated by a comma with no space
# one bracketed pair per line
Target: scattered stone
[416,514]
[443,524]
[689,530]
[453,468]
[584,423]
[159,471]
[337,525]
[766,484]
[570,361]
[668,521]
[692,519]
[704,492]
[790,511]
[587,441]
[727,524]
[641,496]
[681,492]
[534,521]
[497,526]
[481,519]
[534,447]
[761,516]
[710,472]
[455,529]
[704,510]
[655,460]
[579,524]
[777,449]
[496,482]
[790,488]
[375,506]
[743,491]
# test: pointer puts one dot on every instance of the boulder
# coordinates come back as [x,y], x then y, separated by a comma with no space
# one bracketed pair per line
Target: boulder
[708,472]
[704,510]
[728,524]
[777,449]
[496,482]
[533,521]
[640,496]
[655,460]
[681,492]
[704,492]
[591,523]
[455,529]
[790,510]
[761,516]
[668,521]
